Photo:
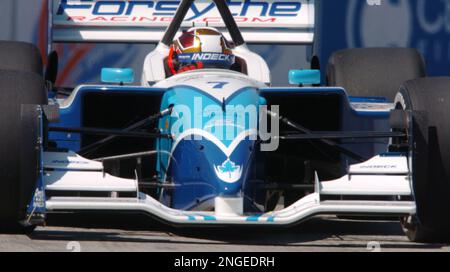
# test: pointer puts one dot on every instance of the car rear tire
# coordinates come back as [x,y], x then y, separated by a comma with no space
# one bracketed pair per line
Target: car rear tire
[374,72]
[429,100]
[20,56]
[18,141]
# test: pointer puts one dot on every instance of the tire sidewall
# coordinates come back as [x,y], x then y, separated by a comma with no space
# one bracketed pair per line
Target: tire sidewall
[19,161]
[430,199]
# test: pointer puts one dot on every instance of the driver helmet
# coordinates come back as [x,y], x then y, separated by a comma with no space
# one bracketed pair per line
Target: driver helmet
[200,47]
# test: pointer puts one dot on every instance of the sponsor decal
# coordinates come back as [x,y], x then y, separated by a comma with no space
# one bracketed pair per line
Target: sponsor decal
[228,171]
[211,56]
[365,29]
[261,11]
[69,162]
[39,199]
[378,167]
[420,24]
[206,58]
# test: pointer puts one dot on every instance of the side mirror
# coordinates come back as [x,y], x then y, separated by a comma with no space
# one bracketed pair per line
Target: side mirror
[51,70]
[300,77]
[117,75]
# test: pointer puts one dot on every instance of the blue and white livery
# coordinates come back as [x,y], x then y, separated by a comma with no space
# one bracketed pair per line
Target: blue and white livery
[206,162]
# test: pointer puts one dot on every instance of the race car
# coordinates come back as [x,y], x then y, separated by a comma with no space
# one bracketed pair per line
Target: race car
[206,140]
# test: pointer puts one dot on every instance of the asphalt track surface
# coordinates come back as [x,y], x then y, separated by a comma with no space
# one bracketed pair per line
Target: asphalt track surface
[88,233]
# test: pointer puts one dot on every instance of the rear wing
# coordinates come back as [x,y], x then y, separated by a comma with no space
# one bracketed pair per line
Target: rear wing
[145,21]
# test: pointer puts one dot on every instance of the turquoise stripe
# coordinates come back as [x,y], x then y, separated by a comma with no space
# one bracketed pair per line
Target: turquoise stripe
[253,218]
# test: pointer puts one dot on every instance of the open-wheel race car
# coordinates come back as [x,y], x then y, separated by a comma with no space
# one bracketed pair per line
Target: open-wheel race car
[220,146]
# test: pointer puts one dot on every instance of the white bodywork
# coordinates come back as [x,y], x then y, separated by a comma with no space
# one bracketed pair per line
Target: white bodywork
[153,69]
[381,176]
[71,172]
[301,210]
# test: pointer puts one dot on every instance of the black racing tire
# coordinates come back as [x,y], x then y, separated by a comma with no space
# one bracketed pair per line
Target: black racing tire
[20,56]
[18,141]
[429,101]
[374,72]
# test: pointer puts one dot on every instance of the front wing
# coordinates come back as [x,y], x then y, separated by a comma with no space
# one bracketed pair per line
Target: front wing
[386,176]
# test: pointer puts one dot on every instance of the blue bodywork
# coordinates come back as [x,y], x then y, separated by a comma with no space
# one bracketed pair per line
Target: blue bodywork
[198,167]
[194,163]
